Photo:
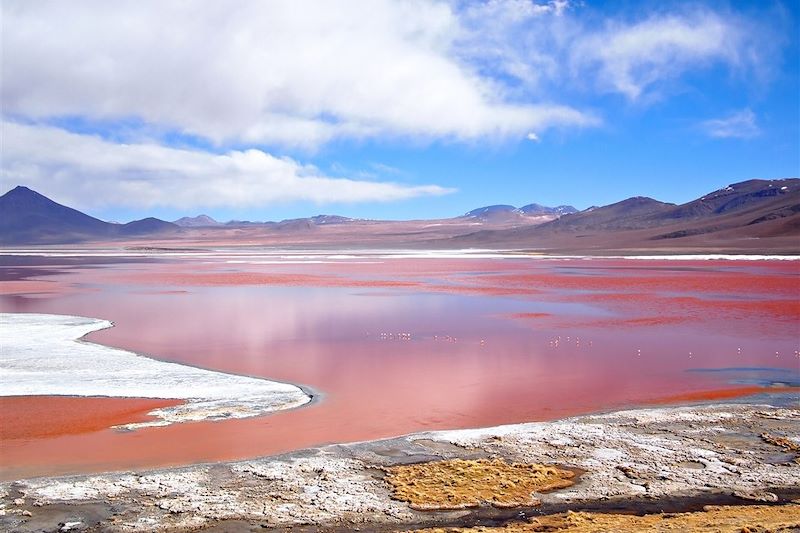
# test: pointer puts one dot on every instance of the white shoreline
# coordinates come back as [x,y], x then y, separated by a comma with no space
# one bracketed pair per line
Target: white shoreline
[278,256]
[42,355]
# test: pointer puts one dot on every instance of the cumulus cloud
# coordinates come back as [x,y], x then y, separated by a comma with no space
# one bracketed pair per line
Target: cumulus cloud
[306,72]
[283,73]
[738,125]
[87,171]
[272,74]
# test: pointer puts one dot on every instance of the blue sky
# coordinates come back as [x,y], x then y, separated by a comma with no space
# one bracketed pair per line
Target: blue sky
[420,109]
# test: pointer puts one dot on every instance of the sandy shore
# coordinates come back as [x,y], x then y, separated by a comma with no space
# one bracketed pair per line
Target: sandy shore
[649,460]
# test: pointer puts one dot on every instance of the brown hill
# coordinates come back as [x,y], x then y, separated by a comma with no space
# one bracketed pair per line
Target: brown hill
[755,215]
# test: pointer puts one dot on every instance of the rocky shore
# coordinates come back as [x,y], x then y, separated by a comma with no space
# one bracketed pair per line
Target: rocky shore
[645,461]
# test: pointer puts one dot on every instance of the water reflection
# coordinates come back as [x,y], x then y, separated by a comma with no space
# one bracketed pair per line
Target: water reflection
[387,361]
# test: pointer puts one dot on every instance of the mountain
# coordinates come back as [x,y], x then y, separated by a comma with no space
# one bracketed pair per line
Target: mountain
[147,226]
[497,213]
[245,223]
[196,222]
[617,216]
[536,209]
[27,217]
[330,219]
[755,216]
[762,215]
[757,208]
[494,213]
[733,198]
[295,225]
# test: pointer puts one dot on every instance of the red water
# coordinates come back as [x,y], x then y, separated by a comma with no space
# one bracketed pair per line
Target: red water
[408,345]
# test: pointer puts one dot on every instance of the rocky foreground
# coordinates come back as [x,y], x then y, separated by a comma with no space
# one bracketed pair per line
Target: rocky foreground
[510,478]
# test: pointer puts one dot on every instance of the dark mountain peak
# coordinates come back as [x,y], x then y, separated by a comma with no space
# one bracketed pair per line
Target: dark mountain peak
[20,193]
[330,219]
[198,221]
[492,210]
[296,224]
[535,209]
[243,223]
[27,217]
[626,214]
[147,225]
[735,197]
[639,200]
[635,205]
[565,209]
[538,209]
[21,189]
[759,183]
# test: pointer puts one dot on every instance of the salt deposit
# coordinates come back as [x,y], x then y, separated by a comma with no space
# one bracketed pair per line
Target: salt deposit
[43,355]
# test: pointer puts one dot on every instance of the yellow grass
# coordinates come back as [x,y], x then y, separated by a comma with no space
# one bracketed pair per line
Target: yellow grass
[458,483]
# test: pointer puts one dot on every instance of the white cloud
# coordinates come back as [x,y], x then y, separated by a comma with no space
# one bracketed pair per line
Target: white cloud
[634,57]
[306,72]
[87,171]
[288,73]
[303,73]
[561,48]
[740,124]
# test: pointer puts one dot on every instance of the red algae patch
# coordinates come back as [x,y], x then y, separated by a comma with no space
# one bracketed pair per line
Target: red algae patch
[526,316]
[460,484]
[29,287]
[716,519]
[694,282]
[639,321]
[35,417]
[478,290]
[226,279]
[721,394]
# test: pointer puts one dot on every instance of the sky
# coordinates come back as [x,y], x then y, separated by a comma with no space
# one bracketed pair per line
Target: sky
[390,109]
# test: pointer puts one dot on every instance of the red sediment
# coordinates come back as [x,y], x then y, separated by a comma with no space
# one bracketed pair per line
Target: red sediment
[35,417]
[717,394]
[226,279]
[525,316]
[478,290]
[690,282]
[28,287]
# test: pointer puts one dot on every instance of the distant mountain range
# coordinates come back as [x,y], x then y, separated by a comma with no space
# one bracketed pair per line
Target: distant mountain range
[205,221]
[755,215]
[491,212]
[27,217]
[200,221]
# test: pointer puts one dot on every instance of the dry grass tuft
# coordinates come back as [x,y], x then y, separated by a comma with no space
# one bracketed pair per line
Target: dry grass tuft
[459,483]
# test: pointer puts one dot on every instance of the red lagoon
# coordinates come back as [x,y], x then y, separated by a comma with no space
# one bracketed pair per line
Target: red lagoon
[393,346]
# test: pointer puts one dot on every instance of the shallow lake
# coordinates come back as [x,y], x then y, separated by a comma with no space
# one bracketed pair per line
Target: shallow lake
[393,345]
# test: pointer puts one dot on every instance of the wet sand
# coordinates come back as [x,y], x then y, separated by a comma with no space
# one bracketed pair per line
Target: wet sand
[403,345]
